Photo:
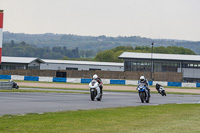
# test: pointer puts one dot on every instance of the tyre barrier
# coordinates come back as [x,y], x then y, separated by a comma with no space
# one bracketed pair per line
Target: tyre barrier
[5,85]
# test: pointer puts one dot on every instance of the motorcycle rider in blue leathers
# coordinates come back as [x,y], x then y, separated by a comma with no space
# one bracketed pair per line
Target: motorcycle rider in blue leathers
[145,81]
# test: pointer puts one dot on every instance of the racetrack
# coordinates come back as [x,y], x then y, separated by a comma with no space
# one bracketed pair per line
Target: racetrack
[22,103]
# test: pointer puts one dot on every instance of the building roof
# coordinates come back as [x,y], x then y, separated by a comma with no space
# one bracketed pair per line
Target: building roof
[83,62]
[155,56]
[25,60]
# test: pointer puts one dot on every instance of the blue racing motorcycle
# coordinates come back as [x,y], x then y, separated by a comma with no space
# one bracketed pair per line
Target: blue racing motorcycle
[143,93]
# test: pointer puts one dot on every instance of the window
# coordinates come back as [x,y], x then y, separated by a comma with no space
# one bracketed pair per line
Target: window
[93,69]
[127,66]
[61,74]
[71,68]
[144,65]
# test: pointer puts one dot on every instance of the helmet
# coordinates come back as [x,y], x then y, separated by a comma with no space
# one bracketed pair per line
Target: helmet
[95,76]
[142,78]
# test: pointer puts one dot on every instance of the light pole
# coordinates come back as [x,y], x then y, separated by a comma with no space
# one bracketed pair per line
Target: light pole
[152,60]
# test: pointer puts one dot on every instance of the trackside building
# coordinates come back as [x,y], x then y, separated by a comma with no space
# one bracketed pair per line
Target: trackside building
[10,63]
[188,65]
[80,65]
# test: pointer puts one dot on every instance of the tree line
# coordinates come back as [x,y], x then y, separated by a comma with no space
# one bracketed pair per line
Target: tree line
[94,43]
[23,49]
[113,54]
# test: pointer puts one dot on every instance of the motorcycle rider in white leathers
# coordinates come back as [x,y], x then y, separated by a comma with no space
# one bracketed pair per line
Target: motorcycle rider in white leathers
[99,89]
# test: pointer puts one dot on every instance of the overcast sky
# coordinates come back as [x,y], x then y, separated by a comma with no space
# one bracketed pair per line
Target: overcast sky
[162,19]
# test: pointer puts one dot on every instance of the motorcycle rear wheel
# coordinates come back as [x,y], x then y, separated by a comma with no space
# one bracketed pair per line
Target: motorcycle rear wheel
[99,99]
[148,99]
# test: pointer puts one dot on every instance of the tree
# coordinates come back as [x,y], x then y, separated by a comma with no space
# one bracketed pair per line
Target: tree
[89,53]
[106,56]
[116,56]
[57,49]
[12,42]
[65,58]
[76,53]
[124,48]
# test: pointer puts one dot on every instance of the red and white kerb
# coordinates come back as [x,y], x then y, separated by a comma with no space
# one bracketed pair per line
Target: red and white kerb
[1,32]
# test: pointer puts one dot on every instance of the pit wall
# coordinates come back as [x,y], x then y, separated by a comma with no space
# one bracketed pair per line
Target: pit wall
[87,80]
[127,75]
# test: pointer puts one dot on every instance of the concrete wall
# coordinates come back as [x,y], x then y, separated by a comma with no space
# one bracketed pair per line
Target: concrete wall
[158,76]
[168,76]
[191,73]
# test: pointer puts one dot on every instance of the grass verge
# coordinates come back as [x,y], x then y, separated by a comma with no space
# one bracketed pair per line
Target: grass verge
[43,91]
[170,118]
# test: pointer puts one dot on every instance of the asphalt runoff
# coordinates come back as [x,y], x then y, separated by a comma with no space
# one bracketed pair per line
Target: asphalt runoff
[23,103]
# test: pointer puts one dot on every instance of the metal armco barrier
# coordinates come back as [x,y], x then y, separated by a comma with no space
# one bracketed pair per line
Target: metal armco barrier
[5,85]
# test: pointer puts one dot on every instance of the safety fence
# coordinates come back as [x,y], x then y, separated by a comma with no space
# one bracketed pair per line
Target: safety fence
[105,81]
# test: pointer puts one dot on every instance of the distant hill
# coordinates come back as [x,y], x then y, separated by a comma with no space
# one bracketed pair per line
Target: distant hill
[99,43]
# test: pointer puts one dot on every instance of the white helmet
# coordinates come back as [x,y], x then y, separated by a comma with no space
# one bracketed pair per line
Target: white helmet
[142,78]
[95,76]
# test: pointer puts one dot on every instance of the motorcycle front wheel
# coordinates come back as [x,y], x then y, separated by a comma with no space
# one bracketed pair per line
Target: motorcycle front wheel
[163,93]
[92,95]
[142,96]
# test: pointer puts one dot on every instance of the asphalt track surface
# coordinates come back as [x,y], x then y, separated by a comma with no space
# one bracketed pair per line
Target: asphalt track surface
[23,102]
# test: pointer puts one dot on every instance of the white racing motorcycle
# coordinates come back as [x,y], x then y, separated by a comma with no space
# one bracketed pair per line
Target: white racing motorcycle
[161,90]
[94,89]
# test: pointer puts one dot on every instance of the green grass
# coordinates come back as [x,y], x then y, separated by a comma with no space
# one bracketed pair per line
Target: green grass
[170,118]
[53,88]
